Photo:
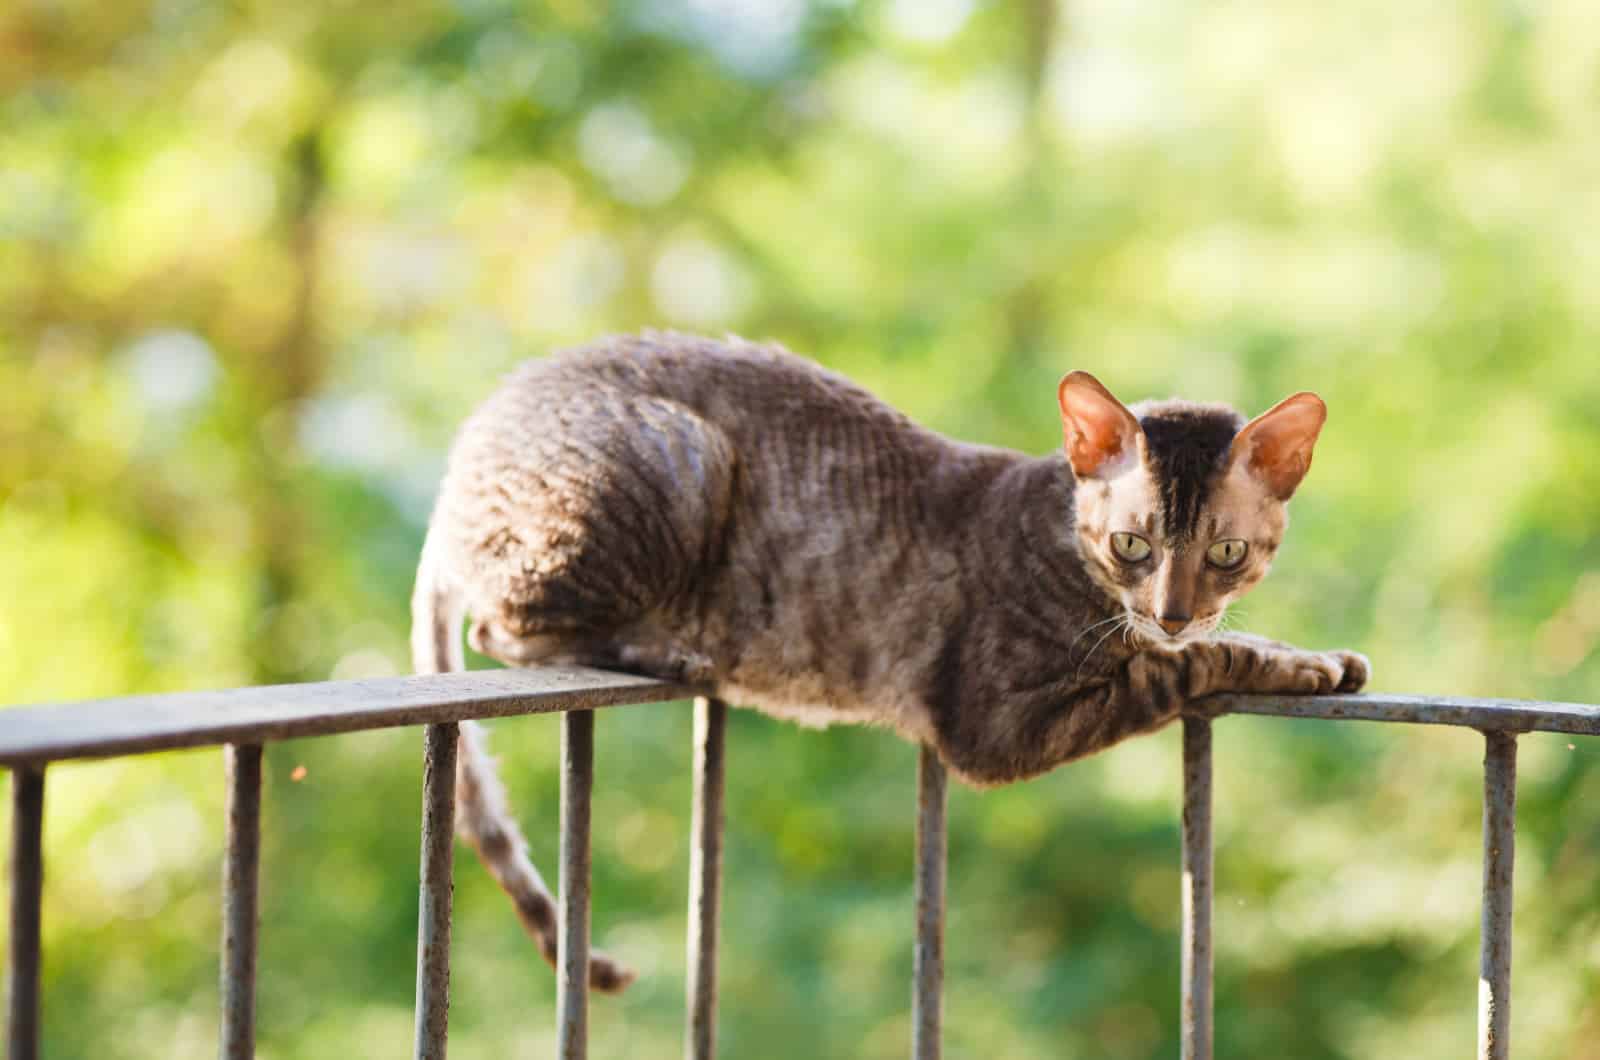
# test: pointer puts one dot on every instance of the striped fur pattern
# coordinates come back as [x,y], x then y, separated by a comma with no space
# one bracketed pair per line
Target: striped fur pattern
[729,513]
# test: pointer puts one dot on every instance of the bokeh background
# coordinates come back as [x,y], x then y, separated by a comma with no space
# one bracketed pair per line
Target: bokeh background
[257,259]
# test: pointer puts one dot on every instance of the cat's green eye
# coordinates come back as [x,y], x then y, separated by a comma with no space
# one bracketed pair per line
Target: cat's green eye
[1130,548]
[1227,554]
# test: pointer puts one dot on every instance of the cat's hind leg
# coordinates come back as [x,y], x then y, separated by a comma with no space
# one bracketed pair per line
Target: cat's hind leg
[493,640]
[601,512]
[482,817]
[566,520]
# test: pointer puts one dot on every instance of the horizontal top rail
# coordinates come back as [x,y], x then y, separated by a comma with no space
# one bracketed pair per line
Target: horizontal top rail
[1487,715]
[101,728]
[136,724]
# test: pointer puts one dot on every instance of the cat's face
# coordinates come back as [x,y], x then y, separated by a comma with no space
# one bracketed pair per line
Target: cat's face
[1181,507]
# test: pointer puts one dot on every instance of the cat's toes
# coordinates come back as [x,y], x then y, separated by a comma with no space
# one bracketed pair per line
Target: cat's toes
[1356,671]
[1314,673]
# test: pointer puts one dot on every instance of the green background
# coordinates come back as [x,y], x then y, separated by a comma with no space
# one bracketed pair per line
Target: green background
[258,259]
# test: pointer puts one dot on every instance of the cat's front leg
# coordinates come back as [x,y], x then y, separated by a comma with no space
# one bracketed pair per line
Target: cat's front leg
[1150,689]
[1244,663]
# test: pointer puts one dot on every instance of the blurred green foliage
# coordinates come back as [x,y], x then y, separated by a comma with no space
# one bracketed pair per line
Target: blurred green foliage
[256,260]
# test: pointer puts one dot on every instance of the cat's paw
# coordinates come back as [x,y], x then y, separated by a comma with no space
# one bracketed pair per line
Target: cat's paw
[1356,671]
[1311,673]
[1322,672]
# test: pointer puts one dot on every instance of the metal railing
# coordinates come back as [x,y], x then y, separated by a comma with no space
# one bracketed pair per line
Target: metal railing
[242,720]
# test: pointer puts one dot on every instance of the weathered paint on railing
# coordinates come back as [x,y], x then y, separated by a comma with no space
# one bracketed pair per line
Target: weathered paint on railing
[927,965]
[572,920]
[705,877]
[102,728]
[1487,715]
[1499,854]
[241,873]
[436,889]
[1195,1031]
[27,882]
[34,736]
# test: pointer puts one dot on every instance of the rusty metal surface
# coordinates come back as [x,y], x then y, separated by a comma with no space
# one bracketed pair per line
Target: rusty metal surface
[705,877]
[1197,903]
[1499,853]
[240,909]
[928,956]
[1488,715]
[27,881]
[136,724]
[572,924]
[245,717]
[437,887]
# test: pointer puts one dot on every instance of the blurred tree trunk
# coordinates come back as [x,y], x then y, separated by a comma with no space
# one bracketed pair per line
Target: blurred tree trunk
[284,373]
[1039,19]
[1027,314]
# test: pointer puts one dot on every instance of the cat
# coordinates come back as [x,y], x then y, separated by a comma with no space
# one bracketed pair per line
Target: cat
[730,514]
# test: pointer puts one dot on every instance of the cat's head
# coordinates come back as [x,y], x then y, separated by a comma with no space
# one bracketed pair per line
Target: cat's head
[1181,506]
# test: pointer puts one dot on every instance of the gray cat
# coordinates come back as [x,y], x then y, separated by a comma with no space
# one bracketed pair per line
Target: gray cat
[728,513]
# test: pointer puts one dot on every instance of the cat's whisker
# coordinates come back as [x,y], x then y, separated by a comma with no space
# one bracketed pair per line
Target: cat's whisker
[1090,629]
[1142,629]
[1097,644]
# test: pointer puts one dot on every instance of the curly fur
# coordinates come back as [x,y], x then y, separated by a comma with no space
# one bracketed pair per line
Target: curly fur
[731,514]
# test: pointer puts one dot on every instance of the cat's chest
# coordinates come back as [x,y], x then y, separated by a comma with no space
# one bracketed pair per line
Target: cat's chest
[874,639]
[815,703]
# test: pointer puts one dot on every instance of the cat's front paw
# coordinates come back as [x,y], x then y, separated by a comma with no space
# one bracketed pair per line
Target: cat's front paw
[1321,672]
[1309,673]
[1356,671]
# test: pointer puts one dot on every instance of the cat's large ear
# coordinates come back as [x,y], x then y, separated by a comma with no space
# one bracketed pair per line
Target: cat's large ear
[1100,433]
[1277,444]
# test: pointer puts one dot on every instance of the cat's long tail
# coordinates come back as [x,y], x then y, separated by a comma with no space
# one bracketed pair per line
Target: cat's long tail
[482,817]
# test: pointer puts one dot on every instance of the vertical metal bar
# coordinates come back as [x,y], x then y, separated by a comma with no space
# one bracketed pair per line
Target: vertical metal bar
[437,887]
[27,881]
[1499,851]
[1196,1030]
[572,923]
[705,877]
[927,966]
[240,911]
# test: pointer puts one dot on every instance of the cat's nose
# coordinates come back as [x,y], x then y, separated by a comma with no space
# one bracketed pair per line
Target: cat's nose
[1173,624]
